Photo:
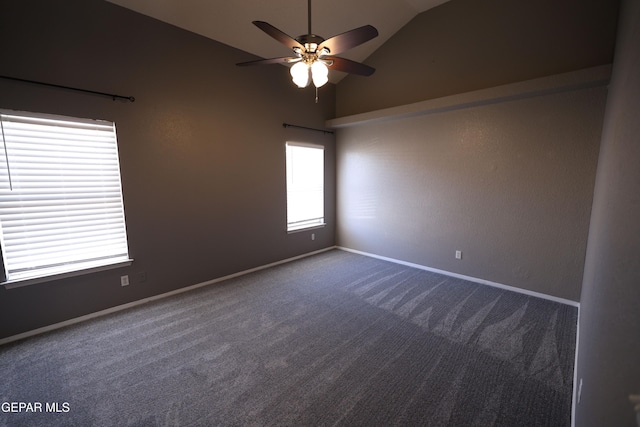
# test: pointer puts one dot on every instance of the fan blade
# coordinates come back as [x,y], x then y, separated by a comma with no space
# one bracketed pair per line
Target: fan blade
[341,42]
[349,66]
[281,60]
[283,38]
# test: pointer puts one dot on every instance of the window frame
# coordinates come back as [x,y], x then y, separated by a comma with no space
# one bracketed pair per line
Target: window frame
[311,223]
[78,266]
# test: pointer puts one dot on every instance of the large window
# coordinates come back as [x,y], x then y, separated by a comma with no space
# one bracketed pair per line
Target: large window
[61,204]
[305,186]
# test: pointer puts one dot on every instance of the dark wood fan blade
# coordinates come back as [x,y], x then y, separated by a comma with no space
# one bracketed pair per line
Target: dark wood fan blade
[349,66]
[281,60]
[283,38]
[341,42]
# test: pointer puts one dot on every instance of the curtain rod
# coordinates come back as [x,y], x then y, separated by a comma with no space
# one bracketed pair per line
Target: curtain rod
[110,95]
[287,125]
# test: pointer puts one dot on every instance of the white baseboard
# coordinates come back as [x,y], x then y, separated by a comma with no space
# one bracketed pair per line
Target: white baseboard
[462,276]
[150,299]
[576,385]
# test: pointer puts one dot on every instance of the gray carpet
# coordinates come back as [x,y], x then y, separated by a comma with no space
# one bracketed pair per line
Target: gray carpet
[333,339]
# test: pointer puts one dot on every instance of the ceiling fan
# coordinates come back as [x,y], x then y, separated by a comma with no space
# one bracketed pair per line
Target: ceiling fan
[313,55]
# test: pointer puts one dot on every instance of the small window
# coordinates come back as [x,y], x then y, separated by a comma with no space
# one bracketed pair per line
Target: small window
[61,206]
[305,186]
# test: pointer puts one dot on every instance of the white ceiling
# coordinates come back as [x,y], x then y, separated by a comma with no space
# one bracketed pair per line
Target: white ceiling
[229,21]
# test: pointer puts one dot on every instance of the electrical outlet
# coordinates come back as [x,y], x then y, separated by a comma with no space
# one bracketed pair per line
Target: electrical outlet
[313,236]
[458,254]
[124,280]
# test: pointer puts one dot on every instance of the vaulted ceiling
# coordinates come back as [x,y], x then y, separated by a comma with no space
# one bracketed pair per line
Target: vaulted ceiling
[229,22]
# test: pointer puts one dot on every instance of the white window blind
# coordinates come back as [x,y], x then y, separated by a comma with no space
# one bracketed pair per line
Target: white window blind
[305,186]
[60,195]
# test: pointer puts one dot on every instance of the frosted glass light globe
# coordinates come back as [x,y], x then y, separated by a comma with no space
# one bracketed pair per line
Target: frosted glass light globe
[320,73]
[300,74]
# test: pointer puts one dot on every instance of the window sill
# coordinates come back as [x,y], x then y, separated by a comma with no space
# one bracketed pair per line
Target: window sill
[305,228]
[63,274]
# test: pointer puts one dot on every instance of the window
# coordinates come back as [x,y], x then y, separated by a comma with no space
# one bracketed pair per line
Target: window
[305,186]
[61,204]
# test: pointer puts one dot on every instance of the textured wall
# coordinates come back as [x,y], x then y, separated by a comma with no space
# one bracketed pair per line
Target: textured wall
[609,345]
[201,149]
[509,184]
[465,45]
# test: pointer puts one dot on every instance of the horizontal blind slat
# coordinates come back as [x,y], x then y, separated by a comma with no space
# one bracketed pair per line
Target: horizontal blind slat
[55,235]
[83,247]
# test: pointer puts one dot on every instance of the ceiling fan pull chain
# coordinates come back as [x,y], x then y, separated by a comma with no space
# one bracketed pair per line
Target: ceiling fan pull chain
[316,94]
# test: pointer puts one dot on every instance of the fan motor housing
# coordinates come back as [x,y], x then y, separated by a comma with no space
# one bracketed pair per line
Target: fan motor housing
[309,38]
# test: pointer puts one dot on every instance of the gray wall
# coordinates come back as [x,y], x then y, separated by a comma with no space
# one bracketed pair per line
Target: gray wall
[510,184]
[201,148]
[609,346]
[465,45]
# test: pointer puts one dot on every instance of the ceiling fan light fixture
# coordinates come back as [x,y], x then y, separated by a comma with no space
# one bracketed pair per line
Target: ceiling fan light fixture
[313,54]
[319,73]
[300,74]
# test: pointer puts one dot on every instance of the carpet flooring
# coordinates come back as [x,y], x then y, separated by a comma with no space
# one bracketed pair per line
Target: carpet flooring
[333,339]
